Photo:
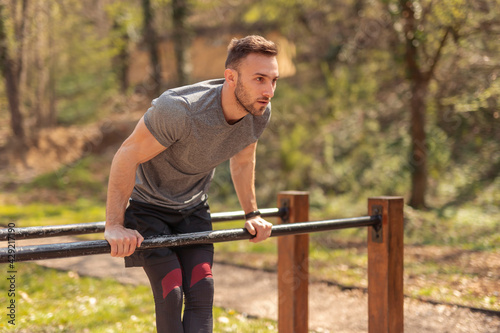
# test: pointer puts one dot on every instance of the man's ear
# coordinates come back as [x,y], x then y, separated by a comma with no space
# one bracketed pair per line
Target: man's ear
[231,76]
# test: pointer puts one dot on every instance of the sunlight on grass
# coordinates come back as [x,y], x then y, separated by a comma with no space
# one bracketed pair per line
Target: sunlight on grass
[49,300]
[35,214]
[232,321]
[346,266]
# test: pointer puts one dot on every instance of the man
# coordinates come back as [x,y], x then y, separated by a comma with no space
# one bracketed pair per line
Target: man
[166,165]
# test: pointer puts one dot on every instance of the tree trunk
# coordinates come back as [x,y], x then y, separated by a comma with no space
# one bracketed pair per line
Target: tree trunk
[12,89]
[39,103]
[10,73]
[51,64]
[151,40]
[44,61]
[419,86]
[418,159]
[181,40]
[122,59]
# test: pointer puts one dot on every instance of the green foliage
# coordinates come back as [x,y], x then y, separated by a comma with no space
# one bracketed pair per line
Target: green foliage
[451,12]
[81,179]
[128,19]
[467,227]
[340,125]
[84,74]
[269,10]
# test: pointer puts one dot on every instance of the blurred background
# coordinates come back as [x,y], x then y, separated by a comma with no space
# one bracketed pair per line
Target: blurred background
[376,97]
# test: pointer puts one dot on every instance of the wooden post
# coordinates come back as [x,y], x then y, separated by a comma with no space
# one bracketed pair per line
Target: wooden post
[293,267]
[385,267]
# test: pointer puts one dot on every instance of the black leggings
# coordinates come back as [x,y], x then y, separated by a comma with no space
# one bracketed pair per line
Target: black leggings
[188,273]
[176,273]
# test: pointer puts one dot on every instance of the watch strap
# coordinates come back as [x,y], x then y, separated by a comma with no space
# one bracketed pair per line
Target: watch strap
[252,214]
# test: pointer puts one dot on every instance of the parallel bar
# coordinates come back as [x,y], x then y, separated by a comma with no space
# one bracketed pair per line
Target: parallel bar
[74,249]
[96,227]
[53,230]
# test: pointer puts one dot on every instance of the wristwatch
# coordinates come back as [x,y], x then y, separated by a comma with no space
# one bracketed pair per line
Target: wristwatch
[252,214]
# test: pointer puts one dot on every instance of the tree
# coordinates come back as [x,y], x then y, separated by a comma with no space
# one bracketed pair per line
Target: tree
[419,78]
[43,85]
[151,40]
[424,30]
[408,45]
[121,39]
[11,69]
[180,36]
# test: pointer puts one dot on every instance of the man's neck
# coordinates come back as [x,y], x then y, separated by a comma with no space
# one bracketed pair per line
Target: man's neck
[232,111]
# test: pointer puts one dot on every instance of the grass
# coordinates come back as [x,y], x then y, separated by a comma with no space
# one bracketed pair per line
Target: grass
[48,300]
[34,214]
[53,301]
[82,179]
[470,226]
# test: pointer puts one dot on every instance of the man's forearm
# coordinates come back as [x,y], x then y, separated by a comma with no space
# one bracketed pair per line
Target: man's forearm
[245,189]
[243,175]
[120,186]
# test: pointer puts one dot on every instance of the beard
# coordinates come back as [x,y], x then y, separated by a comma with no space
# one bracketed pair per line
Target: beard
[246,102]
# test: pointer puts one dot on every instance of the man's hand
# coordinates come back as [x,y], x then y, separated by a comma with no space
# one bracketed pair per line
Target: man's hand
[259,227]
[123,241]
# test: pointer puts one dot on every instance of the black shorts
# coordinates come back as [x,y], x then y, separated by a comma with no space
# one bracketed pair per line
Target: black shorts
[152,220]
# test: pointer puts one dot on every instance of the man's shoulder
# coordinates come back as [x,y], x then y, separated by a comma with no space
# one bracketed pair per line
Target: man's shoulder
[183,105]
[195,91]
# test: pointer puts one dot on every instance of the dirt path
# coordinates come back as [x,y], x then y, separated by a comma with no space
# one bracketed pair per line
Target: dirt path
[331,309]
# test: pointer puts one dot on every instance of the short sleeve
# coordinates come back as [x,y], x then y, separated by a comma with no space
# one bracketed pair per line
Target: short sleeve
[167,118]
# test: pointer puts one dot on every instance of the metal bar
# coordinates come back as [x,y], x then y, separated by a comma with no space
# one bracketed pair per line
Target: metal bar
[74,249]
[96,227]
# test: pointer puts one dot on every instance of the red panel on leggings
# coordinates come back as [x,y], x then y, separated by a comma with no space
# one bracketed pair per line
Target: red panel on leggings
[200,271]
[171,281]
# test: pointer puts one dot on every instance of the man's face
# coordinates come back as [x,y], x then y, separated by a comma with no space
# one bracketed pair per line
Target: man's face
[257,76]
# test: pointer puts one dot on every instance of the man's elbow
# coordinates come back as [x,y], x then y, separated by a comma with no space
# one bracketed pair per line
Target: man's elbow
[125,155]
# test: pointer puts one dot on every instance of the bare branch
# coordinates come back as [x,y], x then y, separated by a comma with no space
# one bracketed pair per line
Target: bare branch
[436,57]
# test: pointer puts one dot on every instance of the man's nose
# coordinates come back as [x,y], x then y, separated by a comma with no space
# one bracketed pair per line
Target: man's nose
[269,90]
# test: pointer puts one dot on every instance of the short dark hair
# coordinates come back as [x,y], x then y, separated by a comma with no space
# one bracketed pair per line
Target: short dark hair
[238,49]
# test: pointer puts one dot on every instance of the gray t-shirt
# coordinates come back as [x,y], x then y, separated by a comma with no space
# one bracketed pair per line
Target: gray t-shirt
[189,121]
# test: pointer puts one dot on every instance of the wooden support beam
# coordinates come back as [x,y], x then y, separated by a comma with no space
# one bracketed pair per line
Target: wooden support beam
[385,266]
[293,267]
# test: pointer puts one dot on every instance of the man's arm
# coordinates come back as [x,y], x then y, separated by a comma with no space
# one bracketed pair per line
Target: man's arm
[138,148]
[242,167]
